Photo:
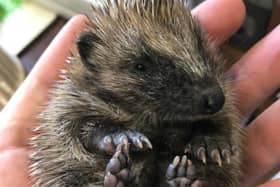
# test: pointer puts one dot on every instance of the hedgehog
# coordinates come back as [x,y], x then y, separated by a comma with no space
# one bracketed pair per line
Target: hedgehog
[146,101]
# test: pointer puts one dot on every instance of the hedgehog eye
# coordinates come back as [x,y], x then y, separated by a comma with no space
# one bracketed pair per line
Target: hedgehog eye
[140,67]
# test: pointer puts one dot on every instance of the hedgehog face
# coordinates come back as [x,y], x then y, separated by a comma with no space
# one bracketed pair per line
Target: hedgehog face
[145,65]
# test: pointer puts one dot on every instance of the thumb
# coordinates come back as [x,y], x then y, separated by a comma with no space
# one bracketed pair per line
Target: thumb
[273,183]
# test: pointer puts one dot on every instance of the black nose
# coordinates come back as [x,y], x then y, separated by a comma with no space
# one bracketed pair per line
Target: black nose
[212,101]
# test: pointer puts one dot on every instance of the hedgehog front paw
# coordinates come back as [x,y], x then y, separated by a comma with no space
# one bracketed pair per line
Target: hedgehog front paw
[182,172]
[118,171]
[137,141]
[216,149]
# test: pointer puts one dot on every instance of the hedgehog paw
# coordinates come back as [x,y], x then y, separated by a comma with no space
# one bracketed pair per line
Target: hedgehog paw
[118,173]
[215,149]
[183,173]
[136,140]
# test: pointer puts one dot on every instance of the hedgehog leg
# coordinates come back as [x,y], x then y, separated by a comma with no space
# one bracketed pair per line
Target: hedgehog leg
[182,172]
[118,171]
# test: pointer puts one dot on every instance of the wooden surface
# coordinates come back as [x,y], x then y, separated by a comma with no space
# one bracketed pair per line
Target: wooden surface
[31,54]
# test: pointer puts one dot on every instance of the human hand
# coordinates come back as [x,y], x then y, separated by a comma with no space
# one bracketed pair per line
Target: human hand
[18,117]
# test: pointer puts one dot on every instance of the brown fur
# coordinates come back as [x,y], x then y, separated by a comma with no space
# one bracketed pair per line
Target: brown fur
[124,32]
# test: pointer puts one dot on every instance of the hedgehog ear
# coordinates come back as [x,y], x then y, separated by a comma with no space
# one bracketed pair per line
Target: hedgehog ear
[86,44]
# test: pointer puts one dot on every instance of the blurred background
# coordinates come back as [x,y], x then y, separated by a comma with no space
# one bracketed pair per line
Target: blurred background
[28,26]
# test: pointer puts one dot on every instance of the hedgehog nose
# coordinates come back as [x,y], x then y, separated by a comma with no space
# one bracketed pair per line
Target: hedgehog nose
[212,101]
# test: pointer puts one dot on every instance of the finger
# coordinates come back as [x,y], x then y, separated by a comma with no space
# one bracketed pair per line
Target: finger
[257,73]
[21,110]
[14,168]
[15,134]
[262,150]
[220,18]
[273,183]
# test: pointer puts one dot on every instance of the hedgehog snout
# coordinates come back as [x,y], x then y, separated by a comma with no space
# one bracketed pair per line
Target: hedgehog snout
[212,100]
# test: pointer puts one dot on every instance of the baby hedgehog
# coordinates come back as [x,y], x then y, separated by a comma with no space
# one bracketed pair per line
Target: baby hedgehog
[145,102]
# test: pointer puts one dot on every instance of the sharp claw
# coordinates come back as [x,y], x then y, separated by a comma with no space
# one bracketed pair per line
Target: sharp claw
[147,141]
[124,139]
[171,171]
[201,153]
[215,155]
[107,144]
[184,161]
[108,140]
[226,155]
[176,161]
[124,146]
[138,143]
